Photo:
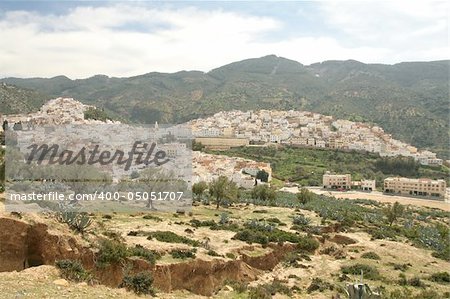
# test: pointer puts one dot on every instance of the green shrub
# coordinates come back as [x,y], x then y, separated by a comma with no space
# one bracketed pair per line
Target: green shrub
[140,283]
[111,252]
[416,282]
[197,223]
[401,267]
[369,272]
[151,217]
[182,254]
[370,255]
[75,220]
[320,285]
[274,220]
[96,113]
[300,220]
[212,253]
[441,277]
[73,270]
[308,244]
[269,290]
[171,237]
[259,292]
[230,255]
[149,255]
[258,232]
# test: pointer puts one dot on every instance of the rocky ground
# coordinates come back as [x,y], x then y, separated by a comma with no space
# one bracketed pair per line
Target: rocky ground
[206,275]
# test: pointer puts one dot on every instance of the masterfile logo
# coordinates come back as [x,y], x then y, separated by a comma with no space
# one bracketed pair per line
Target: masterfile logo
[110,167]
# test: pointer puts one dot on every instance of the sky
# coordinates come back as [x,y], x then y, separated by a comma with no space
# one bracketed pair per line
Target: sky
[121,39]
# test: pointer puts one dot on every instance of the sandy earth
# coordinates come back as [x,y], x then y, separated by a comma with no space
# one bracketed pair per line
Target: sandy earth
[41,282]
[378,196]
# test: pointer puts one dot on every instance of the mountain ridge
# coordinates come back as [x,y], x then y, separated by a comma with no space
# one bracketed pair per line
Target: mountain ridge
[408,99]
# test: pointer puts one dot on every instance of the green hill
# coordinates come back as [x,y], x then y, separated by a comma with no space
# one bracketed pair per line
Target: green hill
[410,99]
[19,100]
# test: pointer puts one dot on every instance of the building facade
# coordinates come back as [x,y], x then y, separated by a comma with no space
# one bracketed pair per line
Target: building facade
[336,181]
[415,187]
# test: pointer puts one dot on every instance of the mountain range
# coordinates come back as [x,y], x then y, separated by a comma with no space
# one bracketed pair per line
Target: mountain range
[410,100]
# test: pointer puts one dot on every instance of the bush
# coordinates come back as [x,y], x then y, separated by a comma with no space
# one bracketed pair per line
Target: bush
[230,255]
[301,220]
[370,255]
[96,113]
[212,253]
[149,255]
[401,267]
[111,252]
[140,283]
[369,272]
[75,220]
[441,277]
[320,285]
[291,259]
[259,292]
[275,220]
[197,223]
[308,244]
[151,217]
[182,254]
[73,270]
[269,290]
[171,237]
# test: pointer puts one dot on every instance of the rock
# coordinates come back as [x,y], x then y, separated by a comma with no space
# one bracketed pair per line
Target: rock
[61,282]
[229,288]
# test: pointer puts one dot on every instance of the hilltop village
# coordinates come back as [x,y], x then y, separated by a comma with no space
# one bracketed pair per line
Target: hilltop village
[302,128]
[236,128]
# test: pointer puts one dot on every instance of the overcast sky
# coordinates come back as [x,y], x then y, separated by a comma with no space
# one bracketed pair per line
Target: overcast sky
[81,39]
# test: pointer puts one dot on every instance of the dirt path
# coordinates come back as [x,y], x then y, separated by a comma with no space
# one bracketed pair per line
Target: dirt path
[378,196]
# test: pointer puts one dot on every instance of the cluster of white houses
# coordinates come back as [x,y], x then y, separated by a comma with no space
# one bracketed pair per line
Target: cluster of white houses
[393,185]
[301,128]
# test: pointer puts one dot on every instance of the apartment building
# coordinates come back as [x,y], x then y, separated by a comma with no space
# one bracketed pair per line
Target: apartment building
[368,185]
[415,187]
[336,181]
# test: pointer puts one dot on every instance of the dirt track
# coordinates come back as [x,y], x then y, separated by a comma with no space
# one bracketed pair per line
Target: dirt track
[378,196]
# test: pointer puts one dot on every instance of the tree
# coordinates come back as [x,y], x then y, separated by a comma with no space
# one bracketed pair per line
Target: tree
[222,188]
[305,195]
[393,212]
[263,192]
[199,188]
[263,176]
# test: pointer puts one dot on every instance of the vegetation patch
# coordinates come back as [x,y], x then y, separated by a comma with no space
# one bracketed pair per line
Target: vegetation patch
[149,255]
[370,255]
[151,217]
[111,252]
[441,277]
[182,254]
[171,237]
[369,272]
[73,270]
[140,283]
[320,285]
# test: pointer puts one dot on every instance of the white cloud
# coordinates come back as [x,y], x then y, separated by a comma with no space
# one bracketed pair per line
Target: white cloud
[125,40]
[400,25]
